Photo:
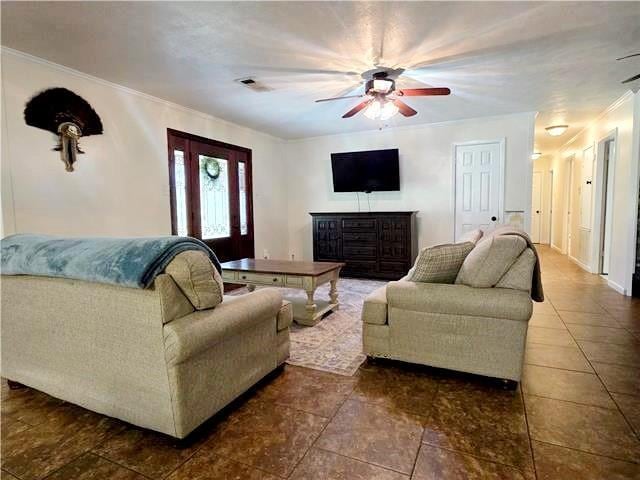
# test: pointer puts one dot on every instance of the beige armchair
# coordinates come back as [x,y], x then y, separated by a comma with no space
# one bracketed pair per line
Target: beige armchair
[457,326]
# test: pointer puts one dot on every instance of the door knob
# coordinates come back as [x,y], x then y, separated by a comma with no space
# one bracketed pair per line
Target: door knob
[493,219]
[537,211]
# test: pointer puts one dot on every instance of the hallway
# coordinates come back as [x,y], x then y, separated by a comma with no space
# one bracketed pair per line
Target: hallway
[582,374]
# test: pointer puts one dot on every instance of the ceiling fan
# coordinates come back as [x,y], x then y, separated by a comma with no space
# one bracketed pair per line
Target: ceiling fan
[382,98]
[635,77]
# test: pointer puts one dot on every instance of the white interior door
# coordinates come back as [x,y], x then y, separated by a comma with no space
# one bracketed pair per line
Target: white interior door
[570,205]
[607,207]
[478,174]
[536,207]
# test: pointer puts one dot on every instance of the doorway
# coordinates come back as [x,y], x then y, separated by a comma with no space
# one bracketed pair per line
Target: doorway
[479,186]
[536,208]
[551,207]
[607,147]
[570,203]
[211,194]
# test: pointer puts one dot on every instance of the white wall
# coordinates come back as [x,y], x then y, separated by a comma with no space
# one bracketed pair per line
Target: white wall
[426,183]
[618,118]
[121,185]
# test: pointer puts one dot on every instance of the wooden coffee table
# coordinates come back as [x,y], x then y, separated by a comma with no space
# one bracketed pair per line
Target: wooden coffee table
[306,276]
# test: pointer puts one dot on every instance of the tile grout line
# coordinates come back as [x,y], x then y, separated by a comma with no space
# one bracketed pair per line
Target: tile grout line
[526,421]
[388,469]
[415,461]
[586,452]
[121,465]
[315,440]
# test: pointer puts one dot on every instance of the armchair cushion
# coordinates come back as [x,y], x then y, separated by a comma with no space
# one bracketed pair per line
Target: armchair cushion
[459,300]
[440,264]
[490,260]
[198,279]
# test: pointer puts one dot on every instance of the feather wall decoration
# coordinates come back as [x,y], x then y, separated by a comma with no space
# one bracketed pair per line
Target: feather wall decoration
[65,114]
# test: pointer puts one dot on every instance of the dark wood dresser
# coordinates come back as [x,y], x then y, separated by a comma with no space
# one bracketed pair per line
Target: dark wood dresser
[373,244]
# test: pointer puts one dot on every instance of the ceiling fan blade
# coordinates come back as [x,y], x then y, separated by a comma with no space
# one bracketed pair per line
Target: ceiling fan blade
[356,109]
[404,109]
[421,92]
[338,98]
[628,56]
[635,77]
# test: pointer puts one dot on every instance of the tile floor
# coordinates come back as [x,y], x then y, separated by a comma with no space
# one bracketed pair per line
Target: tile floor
[575,416]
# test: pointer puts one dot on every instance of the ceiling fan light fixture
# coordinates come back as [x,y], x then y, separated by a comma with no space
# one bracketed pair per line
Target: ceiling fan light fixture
[382,85]
[535,155]
[380,109]
[373,110]
[388,110]
[556,130]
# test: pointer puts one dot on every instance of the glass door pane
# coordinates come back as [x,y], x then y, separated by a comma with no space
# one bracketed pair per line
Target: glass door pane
[214,197]
[180,187]
[242,187]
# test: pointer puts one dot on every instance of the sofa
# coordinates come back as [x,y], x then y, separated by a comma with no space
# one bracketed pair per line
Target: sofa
[160,358]
[479,330]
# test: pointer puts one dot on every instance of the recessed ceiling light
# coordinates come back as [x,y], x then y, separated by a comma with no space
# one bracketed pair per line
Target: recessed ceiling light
[535,155]
[556,130]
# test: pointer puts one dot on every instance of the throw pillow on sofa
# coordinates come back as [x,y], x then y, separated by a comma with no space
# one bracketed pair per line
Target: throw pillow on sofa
[440,264]
[490,260]
[198,279]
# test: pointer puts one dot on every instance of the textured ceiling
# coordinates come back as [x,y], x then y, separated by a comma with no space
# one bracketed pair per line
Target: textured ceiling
[505,57]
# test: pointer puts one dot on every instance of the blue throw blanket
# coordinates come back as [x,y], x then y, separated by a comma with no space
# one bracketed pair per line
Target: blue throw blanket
[128,262]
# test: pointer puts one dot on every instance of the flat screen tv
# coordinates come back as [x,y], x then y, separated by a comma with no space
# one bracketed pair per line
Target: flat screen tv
[371,171]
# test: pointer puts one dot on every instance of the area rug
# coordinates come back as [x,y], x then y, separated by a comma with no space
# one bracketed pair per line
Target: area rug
[335,343]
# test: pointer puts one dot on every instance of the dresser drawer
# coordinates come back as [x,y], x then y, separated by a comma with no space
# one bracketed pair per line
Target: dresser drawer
[398,269]
[355,224]
[359,237]
[358,268]
[350,251]
[261,278]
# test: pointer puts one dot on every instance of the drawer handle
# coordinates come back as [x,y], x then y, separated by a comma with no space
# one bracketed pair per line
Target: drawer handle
[244,277]
[275,279]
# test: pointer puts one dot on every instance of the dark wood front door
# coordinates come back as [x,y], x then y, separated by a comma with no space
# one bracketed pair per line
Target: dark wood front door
[211,194]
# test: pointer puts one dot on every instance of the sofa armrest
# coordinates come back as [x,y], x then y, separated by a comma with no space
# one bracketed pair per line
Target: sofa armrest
[374,309]
[459,299]
[202,330]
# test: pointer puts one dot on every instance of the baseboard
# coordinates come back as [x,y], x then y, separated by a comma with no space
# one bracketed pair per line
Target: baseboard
[557,249]
[579,263]
[618,288]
